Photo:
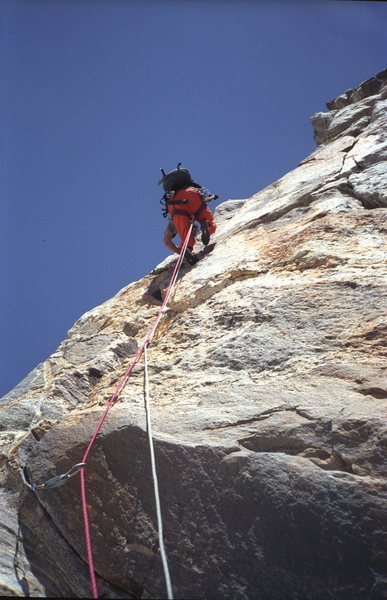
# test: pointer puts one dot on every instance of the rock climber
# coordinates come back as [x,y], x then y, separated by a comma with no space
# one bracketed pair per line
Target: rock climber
[186,201]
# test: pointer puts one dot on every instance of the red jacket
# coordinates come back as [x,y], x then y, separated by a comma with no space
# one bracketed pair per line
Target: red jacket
[187,202]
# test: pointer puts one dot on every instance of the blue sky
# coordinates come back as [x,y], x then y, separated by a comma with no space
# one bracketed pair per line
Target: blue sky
[99,94]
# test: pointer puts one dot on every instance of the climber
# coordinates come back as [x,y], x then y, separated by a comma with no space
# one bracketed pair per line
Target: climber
[186,201]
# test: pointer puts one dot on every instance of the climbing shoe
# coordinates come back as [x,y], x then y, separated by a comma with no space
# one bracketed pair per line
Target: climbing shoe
[191,258]
[205,232]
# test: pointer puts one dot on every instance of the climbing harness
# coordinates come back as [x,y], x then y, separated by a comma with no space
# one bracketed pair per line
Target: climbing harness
[181,211]
[54,481]
[112,400]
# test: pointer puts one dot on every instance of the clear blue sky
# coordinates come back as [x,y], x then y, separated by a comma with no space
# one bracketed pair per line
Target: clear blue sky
[97,95]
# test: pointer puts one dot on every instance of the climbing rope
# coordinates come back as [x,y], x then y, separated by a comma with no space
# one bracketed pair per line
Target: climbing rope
[155,480]
[112,400]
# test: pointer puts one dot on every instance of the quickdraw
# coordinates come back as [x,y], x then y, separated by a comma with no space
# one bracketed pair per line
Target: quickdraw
[54,481]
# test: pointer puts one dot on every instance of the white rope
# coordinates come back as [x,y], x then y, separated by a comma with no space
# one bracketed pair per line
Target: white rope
[149,426]
[155,481]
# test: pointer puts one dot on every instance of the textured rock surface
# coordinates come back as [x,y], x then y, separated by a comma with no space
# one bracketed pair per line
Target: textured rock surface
[268,384]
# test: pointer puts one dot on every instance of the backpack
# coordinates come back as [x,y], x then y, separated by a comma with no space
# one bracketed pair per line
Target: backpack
[176,179]
[179,179]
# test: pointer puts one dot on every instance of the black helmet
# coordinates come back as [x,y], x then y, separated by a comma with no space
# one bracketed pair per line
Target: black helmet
[176,179]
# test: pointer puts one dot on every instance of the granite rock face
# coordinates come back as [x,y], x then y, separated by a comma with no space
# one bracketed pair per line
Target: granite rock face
[268,391]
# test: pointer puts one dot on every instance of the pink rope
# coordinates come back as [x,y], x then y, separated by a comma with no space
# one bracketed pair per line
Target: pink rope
[87,536]
[113,398]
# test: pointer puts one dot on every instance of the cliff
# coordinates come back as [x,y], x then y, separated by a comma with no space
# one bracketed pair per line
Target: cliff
[268,392]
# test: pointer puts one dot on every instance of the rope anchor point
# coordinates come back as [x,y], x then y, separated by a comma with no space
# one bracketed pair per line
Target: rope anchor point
[54,482]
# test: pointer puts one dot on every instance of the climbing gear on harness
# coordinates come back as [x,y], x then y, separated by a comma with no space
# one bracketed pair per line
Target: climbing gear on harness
[206,195]
[54,481]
